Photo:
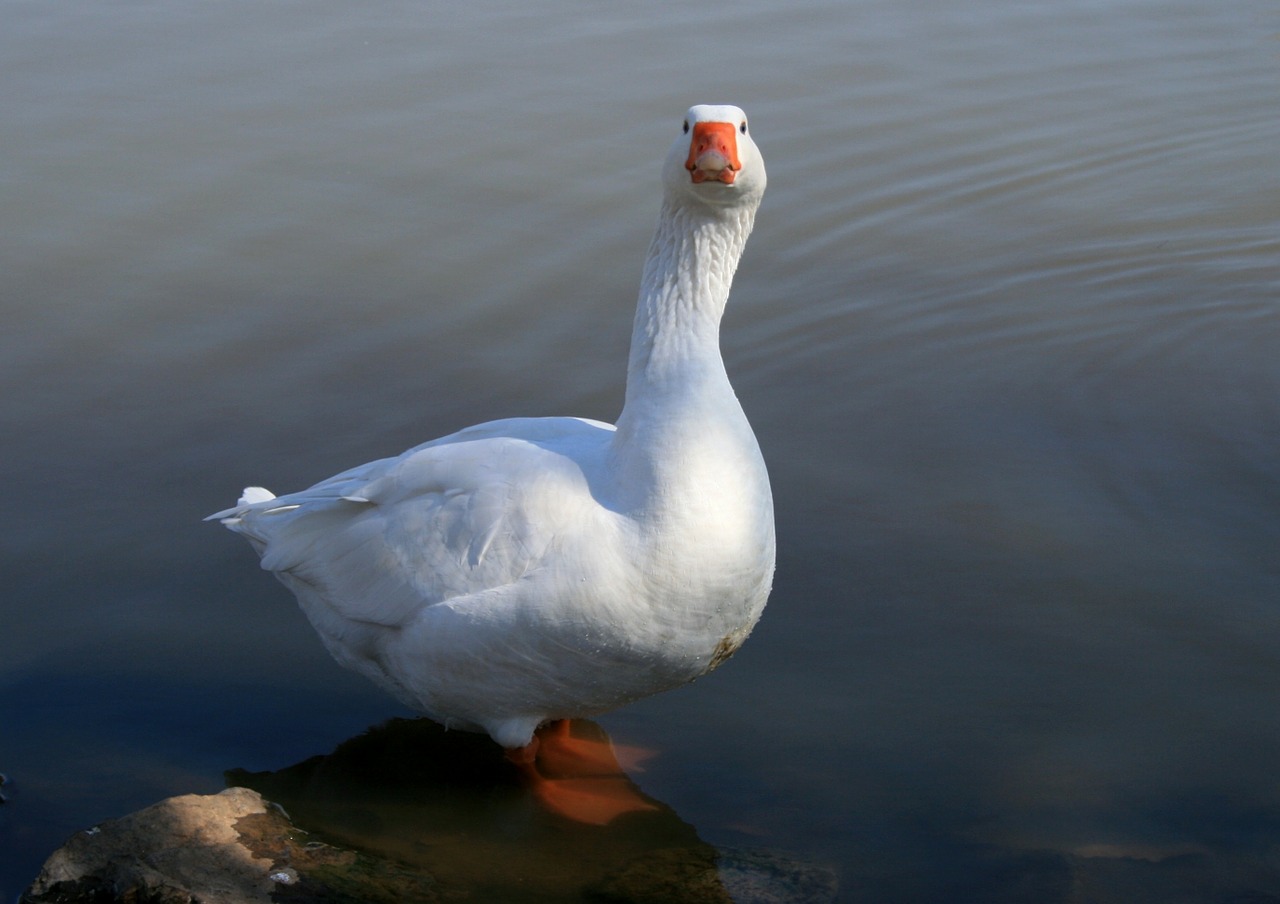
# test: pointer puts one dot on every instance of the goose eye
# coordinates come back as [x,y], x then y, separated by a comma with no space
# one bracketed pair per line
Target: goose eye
[686,127]
[743,128]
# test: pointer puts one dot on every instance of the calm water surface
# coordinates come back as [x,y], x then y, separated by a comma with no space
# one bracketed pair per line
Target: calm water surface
[1007,330]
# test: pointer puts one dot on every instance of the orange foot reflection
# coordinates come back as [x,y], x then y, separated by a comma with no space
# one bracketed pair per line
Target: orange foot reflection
[579,777]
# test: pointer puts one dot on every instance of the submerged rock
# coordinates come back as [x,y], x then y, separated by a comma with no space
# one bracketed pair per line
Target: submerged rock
[709,876]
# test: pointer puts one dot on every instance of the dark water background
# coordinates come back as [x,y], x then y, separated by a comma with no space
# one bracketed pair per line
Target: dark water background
[1008,331]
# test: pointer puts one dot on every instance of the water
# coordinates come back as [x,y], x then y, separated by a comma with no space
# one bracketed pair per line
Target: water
[1007,332]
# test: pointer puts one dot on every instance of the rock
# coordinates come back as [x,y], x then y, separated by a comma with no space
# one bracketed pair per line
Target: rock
[408,813]
[179,849]
[228,848]
[763,877]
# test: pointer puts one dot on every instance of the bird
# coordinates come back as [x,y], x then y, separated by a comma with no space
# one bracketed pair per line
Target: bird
[524,572]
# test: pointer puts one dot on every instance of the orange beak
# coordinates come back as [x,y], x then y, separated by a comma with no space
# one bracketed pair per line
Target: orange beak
[713,152]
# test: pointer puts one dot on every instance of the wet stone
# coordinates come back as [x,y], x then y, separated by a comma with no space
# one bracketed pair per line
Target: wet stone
[232,848]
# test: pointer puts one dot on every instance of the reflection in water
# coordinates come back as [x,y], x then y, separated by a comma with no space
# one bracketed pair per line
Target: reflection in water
[451,805]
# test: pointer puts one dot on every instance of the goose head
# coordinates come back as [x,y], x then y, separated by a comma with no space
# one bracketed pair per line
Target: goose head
[714,162]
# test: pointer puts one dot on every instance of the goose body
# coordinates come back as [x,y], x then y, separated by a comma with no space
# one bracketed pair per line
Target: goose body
[535,569]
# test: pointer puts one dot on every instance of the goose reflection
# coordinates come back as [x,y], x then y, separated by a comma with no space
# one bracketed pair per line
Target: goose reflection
[452,805]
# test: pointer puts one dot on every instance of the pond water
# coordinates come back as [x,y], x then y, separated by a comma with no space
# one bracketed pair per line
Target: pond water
[1008,331]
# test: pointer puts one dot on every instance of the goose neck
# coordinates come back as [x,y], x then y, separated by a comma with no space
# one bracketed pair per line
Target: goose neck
[687,275]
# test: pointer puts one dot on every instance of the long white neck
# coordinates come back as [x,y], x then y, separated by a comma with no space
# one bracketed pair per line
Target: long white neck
[683,292]
[679,404]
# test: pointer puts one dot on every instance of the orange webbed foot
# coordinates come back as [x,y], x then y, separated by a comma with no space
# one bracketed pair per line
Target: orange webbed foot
[579,777]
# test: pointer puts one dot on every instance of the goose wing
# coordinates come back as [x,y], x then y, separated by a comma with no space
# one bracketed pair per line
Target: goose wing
[457,516]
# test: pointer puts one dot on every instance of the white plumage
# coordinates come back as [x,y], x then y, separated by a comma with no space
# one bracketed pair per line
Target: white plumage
[534,569]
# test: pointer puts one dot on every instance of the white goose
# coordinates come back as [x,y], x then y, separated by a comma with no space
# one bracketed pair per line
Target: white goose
[531,570]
